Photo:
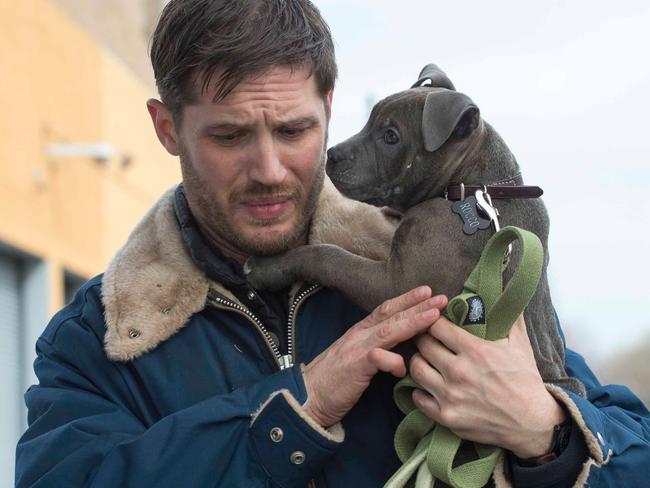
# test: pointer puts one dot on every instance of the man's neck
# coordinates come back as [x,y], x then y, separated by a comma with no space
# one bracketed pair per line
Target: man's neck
[227,249]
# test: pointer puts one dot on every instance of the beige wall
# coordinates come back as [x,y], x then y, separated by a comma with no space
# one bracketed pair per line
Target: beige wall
[121,26]
[59,85]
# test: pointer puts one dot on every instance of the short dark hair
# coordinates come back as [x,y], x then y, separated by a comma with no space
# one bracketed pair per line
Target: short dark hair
[195,38]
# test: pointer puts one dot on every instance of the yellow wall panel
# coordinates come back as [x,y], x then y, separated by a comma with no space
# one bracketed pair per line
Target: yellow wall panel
[57,85]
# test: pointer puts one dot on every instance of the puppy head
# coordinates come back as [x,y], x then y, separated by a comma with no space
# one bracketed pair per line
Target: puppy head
[409,144]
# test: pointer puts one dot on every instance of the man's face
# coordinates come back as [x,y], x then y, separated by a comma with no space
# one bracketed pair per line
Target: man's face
[253,162]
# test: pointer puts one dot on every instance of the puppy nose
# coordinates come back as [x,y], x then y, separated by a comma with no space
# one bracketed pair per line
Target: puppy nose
[335,155]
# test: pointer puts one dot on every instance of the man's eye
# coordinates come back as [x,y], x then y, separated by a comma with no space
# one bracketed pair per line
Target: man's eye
[292,132]
[228,138]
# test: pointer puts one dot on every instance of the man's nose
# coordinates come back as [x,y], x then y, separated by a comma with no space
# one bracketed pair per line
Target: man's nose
[267,166]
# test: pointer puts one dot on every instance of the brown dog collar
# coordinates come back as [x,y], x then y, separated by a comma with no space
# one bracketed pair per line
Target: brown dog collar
[505,189]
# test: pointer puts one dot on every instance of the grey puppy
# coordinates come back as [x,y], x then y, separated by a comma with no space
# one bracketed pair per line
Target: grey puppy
[415,144]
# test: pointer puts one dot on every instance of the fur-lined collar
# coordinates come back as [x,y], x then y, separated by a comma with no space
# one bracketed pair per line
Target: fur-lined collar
[152,287]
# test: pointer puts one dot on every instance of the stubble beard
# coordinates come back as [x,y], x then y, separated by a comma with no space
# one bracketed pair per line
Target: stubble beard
[216,223]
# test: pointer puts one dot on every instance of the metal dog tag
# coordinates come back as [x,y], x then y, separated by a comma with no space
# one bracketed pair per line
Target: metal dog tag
[468,212]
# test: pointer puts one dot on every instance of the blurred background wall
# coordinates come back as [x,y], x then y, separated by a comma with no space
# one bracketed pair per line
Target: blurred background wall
[80,163]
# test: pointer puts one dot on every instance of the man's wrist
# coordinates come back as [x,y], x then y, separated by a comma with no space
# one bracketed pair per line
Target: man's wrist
[310,407]
[307,408]
[561,472]
[561,436]
[539,441]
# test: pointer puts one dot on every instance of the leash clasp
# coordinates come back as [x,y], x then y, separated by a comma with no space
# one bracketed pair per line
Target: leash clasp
[484,204]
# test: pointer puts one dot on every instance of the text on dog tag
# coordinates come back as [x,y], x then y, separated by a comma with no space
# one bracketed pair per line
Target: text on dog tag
[468,212]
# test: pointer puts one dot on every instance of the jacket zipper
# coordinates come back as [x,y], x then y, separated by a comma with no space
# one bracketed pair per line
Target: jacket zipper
[283,361]
[224,303]
[293,313]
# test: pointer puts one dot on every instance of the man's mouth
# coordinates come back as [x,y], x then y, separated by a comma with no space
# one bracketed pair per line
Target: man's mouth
[268,208]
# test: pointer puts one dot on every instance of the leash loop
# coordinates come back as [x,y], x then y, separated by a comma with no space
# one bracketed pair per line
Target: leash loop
[486,309]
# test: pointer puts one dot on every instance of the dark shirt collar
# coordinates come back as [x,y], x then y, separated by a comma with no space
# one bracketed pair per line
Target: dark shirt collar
[212,261]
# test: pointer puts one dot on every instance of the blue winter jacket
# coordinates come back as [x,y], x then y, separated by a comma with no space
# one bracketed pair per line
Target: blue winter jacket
[155,376]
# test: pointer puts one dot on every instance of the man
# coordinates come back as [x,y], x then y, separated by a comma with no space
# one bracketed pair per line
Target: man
[169,371]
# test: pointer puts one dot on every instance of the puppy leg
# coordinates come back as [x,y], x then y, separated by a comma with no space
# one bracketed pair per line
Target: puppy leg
[364,281]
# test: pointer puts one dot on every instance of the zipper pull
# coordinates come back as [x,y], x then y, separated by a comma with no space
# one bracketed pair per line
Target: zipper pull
[286,361]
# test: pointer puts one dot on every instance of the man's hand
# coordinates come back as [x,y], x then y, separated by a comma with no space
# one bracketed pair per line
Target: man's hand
[337,377]
[485,391]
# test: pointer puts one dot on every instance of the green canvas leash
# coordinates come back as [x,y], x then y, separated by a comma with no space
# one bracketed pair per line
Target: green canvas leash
[487,310]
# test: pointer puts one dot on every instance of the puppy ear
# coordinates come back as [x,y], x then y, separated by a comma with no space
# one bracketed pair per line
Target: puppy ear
[435,76]
[447,113]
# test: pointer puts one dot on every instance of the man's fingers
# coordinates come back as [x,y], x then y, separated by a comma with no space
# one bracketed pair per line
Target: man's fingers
[434,352]
[454,338]
[518,336]
[427,404]
[439,302]
[398,304]
[388,362]
[518,332]
[404,326]
[425,375]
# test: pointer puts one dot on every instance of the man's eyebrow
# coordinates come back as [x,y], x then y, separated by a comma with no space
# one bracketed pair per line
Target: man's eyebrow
[225,126]
[307,120]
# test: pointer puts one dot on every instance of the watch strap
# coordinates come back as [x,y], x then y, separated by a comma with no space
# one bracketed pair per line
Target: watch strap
[561,436]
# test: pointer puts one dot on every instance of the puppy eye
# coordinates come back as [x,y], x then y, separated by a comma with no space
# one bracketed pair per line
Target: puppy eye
[391,137]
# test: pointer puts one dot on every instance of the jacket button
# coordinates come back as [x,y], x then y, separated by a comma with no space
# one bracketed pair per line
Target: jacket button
[298,457]
[276,434]
[134,333]
[251,295]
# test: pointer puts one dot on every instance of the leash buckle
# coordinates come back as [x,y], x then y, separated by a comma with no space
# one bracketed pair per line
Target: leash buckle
[484,204]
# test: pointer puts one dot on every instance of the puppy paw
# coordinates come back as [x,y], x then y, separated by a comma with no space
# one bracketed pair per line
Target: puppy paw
[267,273]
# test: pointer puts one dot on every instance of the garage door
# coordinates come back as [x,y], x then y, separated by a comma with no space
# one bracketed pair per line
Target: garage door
[10,376]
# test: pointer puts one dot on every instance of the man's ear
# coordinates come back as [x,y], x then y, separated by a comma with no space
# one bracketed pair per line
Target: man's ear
[164,125]
[328,104]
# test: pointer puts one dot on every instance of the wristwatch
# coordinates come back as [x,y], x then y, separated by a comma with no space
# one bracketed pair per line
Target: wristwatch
[561,437]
